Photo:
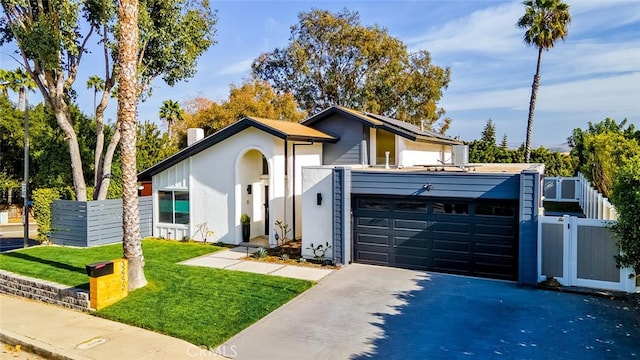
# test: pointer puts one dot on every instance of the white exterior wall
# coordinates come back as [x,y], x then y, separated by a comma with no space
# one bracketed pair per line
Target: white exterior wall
[317,223]
[217,178]
[220,180]
[412,153]
[306,155]
[173,178]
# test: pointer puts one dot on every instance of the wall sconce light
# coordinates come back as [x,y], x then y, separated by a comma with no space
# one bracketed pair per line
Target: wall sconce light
[319,199]
[249,189]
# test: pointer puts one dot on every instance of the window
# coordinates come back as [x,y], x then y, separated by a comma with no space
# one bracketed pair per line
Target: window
[265,166]
[450,208]
[495,210]
[373,204]
[411,205]
[173,207]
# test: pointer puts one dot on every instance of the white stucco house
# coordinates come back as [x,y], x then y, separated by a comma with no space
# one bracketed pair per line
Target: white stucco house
[254,167]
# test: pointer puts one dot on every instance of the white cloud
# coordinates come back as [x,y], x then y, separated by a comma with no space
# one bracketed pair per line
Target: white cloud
[239,67]
[490,30]
[616,95]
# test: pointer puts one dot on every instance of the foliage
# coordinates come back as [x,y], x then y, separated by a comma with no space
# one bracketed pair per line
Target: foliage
[175,302]
[204,231]
[42,200]
[332,59]
[284,230]
[319,251]
[153,146]
[601,148]
[544,22]
[626,198]
[52,40]
[245,219]
[252,98]
[260,253]
[485,150]
[171,112]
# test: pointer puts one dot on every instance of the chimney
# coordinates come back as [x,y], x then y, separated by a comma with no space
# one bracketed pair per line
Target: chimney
[194,135]
[422,125]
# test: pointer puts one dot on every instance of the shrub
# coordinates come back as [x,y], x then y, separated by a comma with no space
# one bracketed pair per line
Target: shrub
[42,199]
[245,219]
[626,199]
[260,253]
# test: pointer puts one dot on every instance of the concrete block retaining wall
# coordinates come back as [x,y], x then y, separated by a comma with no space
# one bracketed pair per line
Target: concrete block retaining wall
[45,291]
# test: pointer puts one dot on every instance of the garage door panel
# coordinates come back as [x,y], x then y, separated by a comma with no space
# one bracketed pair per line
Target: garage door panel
[470,237]
[448,245]
[457,266]
[400,224]
[411,262]
[372,257]
[494,229]
[372,239]
[450,227]
[370,222]
[413,243]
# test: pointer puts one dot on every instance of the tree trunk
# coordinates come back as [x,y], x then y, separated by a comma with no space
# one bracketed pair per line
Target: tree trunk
[127,109]
[103,189]
[532,108]
[21,93]
[79,185]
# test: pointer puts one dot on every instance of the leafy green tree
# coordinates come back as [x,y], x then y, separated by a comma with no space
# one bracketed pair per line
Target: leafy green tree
[626,198]
[601,148]
[485,149]
[153,146]
[171,112]
[53,39]
[544,22]
[332,59]
[252,98]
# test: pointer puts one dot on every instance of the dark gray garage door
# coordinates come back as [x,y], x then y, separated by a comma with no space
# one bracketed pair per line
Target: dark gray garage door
[477,238]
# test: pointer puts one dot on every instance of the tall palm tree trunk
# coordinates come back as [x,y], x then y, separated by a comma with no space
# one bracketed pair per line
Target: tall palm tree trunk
[127,109]
[532,107]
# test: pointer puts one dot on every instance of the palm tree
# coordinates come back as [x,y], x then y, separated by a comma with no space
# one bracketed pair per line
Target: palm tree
[545,21]
[97,84]
[127,109]
[18,81]
[171,112]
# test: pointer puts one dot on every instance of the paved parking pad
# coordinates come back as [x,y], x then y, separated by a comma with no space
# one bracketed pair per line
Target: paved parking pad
[370,312]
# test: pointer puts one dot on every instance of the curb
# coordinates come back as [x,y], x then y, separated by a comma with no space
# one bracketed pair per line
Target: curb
[36,347]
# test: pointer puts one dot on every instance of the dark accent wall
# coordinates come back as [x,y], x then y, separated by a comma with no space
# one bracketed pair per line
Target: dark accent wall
[450,185]
[348,149]
[342,215]
[529,195]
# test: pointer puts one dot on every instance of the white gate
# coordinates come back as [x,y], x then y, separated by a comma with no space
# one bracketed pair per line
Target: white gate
[580,252]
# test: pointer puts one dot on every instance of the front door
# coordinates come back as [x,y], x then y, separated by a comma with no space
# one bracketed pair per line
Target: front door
[266,209]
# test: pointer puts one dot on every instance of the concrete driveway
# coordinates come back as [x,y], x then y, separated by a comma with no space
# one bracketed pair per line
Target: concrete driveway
[369,312]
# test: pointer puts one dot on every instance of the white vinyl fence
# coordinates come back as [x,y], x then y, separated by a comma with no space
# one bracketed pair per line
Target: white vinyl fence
[580,252]
[578,189]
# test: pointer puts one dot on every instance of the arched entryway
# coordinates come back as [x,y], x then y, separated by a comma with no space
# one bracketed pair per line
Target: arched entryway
[254,196]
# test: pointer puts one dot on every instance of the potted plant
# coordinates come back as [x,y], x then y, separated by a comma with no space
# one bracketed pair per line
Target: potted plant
[245,220]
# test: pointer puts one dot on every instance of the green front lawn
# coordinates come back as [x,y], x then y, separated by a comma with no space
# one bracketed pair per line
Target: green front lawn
[201,305]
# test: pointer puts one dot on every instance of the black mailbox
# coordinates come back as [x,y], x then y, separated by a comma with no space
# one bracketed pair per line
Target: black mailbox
[100,268]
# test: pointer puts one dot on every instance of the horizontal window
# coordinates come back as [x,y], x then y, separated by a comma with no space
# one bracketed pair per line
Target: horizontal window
[495,210]
[450,208]
[373,204]
[411,205]
[173,207]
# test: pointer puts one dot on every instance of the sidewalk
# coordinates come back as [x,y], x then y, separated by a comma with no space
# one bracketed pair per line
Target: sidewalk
[231,260]
[57,333]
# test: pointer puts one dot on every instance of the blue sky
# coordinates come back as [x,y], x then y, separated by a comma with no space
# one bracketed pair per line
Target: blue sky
[594,74]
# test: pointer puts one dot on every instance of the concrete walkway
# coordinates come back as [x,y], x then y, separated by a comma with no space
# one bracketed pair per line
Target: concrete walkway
[57,333]
[231,259]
